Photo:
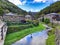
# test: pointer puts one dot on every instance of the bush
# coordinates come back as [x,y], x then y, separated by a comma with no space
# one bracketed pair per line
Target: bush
[16,23]
[12,29]
[47,20]
[28,21]
[35,22]
[1,12]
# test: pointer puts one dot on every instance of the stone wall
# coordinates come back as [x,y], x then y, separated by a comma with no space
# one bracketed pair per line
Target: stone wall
[13,18]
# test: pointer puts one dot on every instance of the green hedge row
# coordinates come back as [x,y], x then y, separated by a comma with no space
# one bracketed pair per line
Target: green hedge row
[18,23]
[12,29]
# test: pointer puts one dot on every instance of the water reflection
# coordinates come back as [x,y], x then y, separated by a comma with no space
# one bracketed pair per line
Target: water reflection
[28,40]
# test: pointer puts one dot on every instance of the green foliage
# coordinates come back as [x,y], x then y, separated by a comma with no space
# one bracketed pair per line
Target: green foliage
[53,8]
[51,38]
[29,21]
[16,23]
[10,7]
[15,28]
[47,20]
[1,11]
[35,22]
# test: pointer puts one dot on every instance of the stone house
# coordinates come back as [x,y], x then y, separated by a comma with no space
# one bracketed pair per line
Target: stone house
[13,17]
[29,17]
[54,17]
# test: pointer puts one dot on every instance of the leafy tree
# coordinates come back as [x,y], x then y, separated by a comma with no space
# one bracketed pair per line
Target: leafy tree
[47,20]
[10,7]
[1,12]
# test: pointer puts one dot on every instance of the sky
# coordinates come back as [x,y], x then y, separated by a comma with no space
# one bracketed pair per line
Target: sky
[32,5]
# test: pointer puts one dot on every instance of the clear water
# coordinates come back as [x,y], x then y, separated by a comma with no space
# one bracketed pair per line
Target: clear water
[28,40]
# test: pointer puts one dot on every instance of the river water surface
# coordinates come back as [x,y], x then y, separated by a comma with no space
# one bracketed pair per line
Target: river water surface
[38,38]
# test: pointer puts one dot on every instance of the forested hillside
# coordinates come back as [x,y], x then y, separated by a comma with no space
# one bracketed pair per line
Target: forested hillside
[6,6]
[53,8]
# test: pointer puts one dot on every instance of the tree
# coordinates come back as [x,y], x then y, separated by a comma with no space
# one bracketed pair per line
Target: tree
[1,12]
[47,20]
[53,8]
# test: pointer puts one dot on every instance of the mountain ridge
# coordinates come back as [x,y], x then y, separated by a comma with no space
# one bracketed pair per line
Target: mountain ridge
[6,6]
[53,8]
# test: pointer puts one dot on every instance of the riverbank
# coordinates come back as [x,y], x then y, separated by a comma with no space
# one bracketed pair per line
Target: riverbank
[13,37]
[51,38]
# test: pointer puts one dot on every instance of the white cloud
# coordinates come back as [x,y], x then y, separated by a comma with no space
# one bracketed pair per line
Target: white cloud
[31,9]
[24,2]
[17,2]
[40,1]
[36,10]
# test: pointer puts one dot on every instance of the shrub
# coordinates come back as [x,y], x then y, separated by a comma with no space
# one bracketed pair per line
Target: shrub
[47,20]
[12,29]
[35,22]
[29,21]
[16,23]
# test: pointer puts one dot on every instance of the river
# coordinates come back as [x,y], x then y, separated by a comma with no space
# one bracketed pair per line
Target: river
[38,38]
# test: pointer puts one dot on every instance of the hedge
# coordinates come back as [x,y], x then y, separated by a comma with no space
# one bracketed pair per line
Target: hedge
[12,29]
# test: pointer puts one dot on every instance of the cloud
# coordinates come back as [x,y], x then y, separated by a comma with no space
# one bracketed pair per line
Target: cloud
[24,2]
[17,2]
[40,1]
[34,10]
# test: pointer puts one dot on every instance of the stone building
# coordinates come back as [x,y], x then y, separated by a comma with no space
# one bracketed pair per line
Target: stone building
[54,17]
[28,17]
[13,17]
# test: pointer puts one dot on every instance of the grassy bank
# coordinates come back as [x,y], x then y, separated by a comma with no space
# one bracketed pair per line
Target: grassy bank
[13,37]
[51,38]
[16,28]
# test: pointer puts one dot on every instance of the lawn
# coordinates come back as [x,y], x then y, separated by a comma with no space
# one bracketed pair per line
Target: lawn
[18,25]
[13,37]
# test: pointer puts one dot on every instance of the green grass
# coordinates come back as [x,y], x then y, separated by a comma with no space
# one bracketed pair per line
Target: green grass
[51,38]
[13,37]
[18,25]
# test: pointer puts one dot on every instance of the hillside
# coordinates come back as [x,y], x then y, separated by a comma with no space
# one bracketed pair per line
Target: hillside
[53,8]
[6,6]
